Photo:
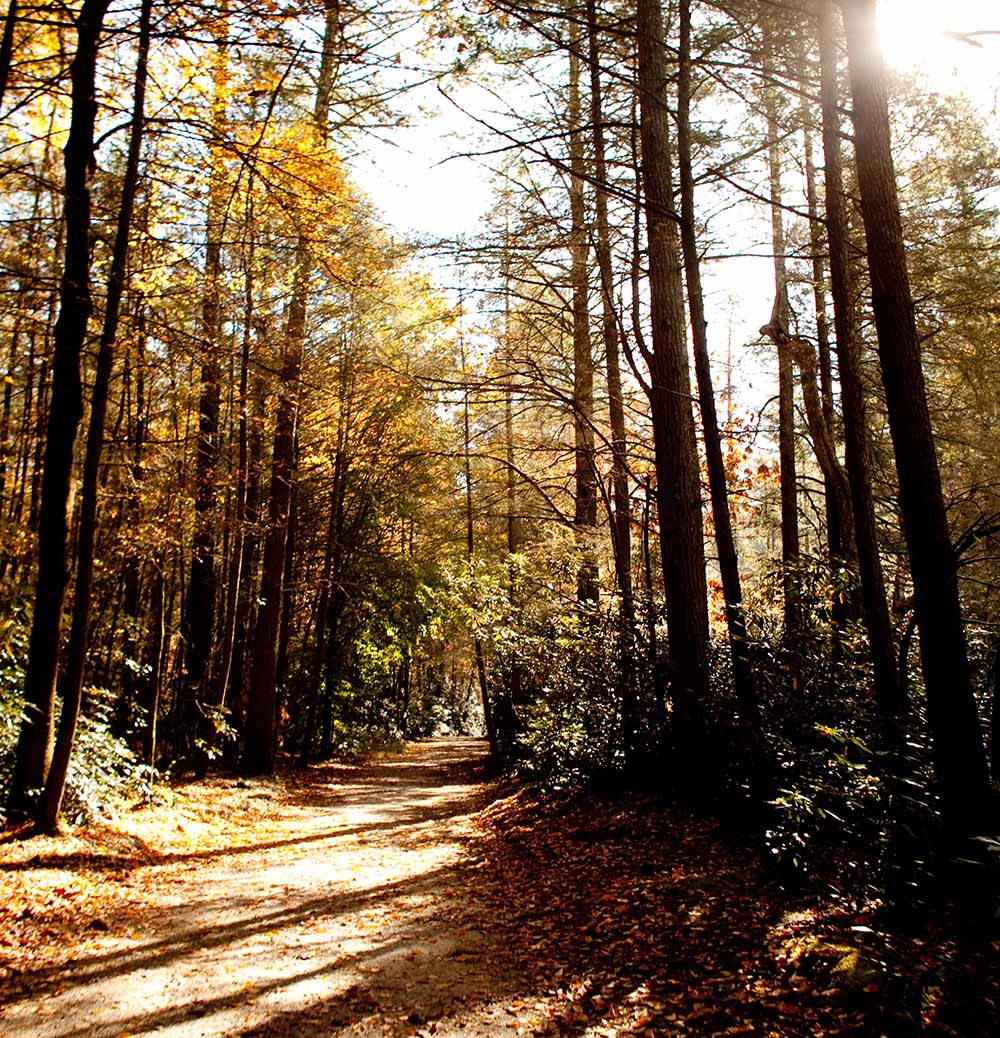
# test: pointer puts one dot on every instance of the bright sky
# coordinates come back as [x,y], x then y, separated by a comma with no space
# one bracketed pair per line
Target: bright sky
[421,187]
[914,37]
[419,176]
[425,187]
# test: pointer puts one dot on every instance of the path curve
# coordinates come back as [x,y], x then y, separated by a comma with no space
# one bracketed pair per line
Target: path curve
[354,916]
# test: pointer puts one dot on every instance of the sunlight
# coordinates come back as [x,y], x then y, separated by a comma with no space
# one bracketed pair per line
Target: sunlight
[920,36]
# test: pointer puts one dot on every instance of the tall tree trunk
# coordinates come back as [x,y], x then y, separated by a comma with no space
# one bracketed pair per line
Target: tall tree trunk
[7,47]
[288,581]
[224,663]
[71,685]
[678,488]
[959,755]
[333,564]
[873,599]
[510,475]
[585,513]
[152,680]
[322,624]
[198,624]
[34,747]
[131,563]
[835,509]
[259,755]
[16,453]
[621,519]
[8,394]
[995,715]
[790,561]
[470,553]
[725,543]
[246,603]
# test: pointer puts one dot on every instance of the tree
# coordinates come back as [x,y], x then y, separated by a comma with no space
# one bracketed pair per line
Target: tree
[959,757]
[585,475]
[34,750]
[71,686]
[198,624]
[261,717]
[678,489]
[718,489]
[790,547]
[874,604]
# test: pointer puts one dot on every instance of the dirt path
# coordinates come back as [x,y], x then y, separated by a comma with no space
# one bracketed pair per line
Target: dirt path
[352,915]
[407,898]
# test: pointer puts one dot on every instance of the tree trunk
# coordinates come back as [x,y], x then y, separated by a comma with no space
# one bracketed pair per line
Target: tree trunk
[995,715]
[873,599]
[786,383]
[585,512]
[622,525]
[7,47]
[288,581]
[678,488]
[8,393]
[470,553]
[725,544]
[259,755]
[71,685]
[959,755]
[242,518]
[621,519]
[249,563]
[34,748]
[322,623]
[801,353]
[132,567]
[837,507]
[152,680]
[198,624]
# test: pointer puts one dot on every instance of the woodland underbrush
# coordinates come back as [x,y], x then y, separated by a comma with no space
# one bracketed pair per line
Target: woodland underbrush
[104,770]
[582,706]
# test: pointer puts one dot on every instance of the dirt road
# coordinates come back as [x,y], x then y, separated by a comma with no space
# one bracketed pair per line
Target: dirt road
[406,897]
[352,915]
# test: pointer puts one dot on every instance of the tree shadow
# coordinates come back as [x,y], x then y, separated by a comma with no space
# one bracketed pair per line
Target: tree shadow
[328,785]
[609,914]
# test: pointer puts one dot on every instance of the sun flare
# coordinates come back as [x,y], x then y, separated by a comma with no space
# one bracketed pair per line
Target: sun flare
[940,40]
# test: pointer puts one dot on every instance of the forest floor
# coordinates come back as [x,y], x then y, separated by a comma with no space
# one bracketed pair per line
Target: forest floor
[408,896]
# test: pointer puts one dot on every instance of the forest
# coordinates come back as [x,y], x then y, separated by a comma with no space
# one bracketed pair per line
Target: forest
[670,478]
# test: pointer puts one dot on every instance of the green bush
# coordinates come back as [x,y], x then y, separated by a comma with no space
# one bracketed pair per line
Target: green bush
[103,771]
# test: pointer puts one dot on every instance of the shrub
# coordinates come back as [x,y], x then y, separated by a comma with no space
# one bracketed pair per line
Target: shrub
[103,771]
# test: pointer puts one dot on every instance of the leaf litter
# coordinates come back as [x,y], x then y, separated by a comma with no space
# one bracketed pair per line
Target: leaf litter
[407,897]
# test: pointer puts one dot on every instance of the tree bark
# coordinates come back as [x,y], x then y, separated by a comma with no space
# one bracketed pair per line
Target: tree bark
[678,490]
[198,623]
[873,599]
[790,560]
[725,544]
[959,755]
[837,506]
[585,475]
[259,755]
[7,47]
[152,681]
[470,554]
[71,685]
[621,518]
[242,517]
[34,748]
